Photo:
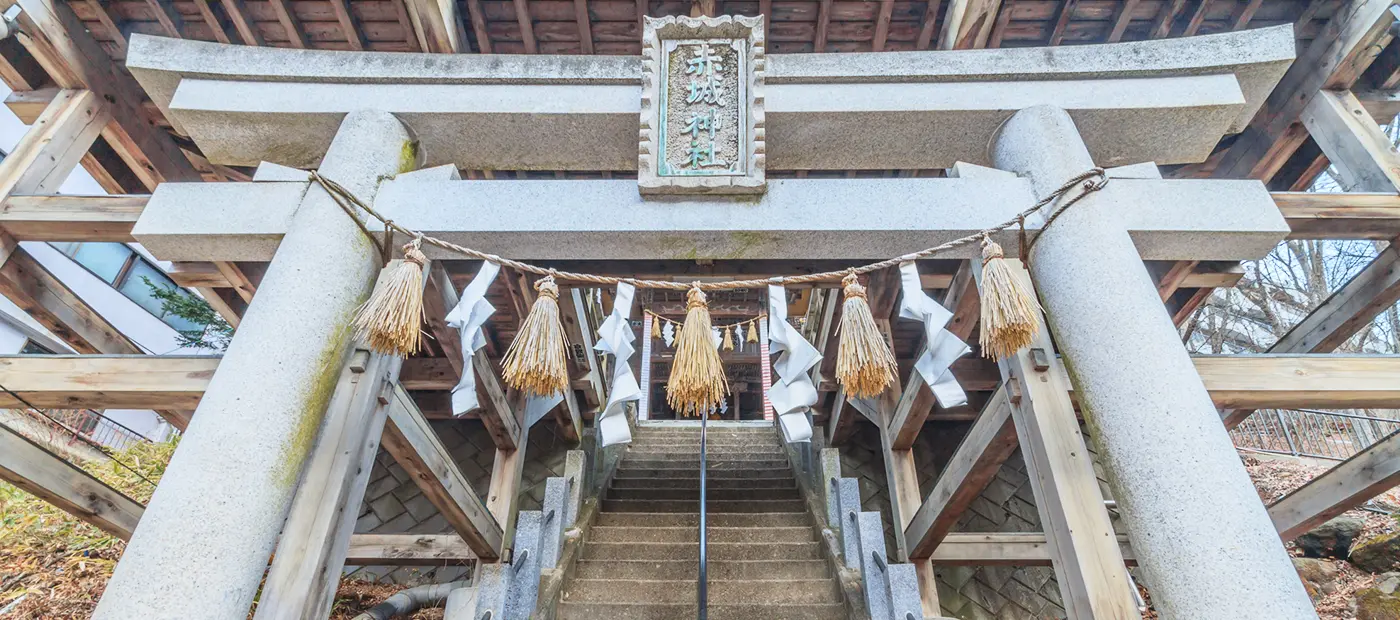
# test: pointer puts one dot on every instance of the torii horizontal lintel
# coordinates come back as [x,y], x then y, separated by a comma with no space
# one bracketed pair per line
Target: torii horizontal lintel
[1168,101]
[796,218]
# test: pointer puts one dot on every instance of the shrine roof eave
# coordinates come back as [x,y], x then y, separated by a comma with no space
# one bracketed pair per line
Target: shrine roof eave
[1168,100]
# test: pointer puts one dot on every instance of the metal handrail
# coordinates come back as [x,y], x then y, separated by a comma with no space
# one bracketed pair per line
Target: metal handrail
[702,582]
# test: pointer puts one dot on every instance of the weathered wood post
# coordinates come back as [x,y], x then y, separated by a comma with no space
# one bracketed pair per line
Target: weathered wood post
[1197,525]
[204,541]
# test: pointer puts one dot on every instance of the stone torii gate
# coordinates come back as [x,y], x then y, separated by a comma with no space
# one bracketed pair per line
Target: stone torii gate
[367,120]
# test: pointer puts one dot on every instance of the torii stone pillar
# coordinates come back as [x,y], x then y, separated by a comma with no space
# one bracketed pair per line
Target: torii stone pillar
[204,541]
[1198,528]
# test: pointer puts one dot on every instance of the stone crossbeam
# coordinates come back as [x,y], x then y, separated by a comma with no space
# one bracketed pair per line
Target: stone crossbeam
[795,219]
[1167,101]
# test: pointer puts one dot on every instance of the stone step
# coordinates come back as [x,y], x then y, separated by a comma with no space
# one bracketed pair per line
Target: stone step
[713,458]
[689,569]
[666,505]
[720,592]
[810,550]
[694,463]
[713,519]
[687,611]
[712,473]
[710,494]
[712,483]
[711,450]
[692,534]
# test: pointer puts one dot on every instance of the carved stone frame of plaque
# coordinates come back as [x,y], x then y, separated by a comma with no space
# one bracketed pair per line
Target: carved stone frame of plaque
[702,106]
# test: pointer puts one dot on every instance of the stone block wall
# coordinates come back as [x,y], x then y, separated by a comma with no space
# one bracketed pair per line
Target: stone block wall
[1007,505]
[394,505]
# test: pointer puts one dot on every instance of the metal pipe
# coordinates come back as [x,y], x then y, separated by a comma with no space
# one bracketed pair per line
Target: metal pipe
[406,602]
[701,585]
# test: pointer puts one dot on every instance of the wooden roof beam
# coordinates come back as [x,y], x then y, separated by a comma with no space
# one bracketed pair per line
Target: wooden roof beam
[105,381]
[1349,215]
[74,60]
[1335,59]
[43,474]
[71,218]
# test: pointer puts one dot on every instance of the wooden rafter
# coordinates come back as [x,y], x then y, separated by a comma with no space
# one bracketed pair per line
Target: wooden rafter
[289,22]
[1198,17]
[823,25]
[435,25]
[166,16]
[1062,18]
[1166,16]
[927,30]
[238,14]
[585,25]
[967,24]
[527,25]
[882,25]
[1121,19]
[1240,20]
[348,28]
[483,37]
[1335,59]
[206,12]
[105,18]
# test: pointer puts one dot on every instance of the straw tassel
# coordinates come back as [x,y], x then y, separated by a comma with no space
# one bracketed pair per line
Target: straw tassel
[697,381]
[864,363]
[1010,312]
[728,338]
[536,362]
[391,320]
[752,337]
[655,326]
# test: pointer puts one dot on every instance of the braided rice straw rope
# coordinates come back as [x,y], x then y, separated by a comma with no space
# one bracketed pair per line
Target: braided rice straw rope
[1087,182]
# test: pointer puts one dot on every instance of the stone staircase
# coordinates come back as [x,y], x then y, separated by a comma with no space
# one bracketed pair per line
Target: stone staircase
[641,558]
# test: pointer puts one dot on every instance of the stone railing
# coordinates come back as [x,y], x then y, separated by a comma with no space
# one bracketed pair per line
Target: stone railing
[891,591]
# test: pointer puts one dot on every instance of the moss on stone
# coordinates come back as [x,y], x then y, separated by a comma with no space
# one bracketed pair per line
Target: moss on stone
[408,156]
[1378,555]
[314,402]
[1372,604]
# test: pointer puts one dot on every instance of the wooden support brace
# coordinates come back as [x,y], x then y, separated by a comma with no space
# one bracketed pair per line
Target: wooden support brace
[416,447]
[1351,483]
[311,551]
[28,466]
[990,441]
[1092,578]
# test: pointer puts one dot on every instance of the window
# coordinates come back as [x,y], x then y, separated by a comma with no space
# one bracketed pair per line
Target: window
[127,271]
[33,348]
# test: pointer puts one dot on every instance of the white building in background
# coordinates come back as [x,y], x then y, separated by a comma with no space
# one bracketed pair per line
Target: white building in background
[109,277]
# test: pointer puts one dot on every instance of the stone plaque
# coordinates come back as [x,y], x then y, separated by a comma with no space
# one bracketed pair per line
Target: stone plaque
[702,114]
